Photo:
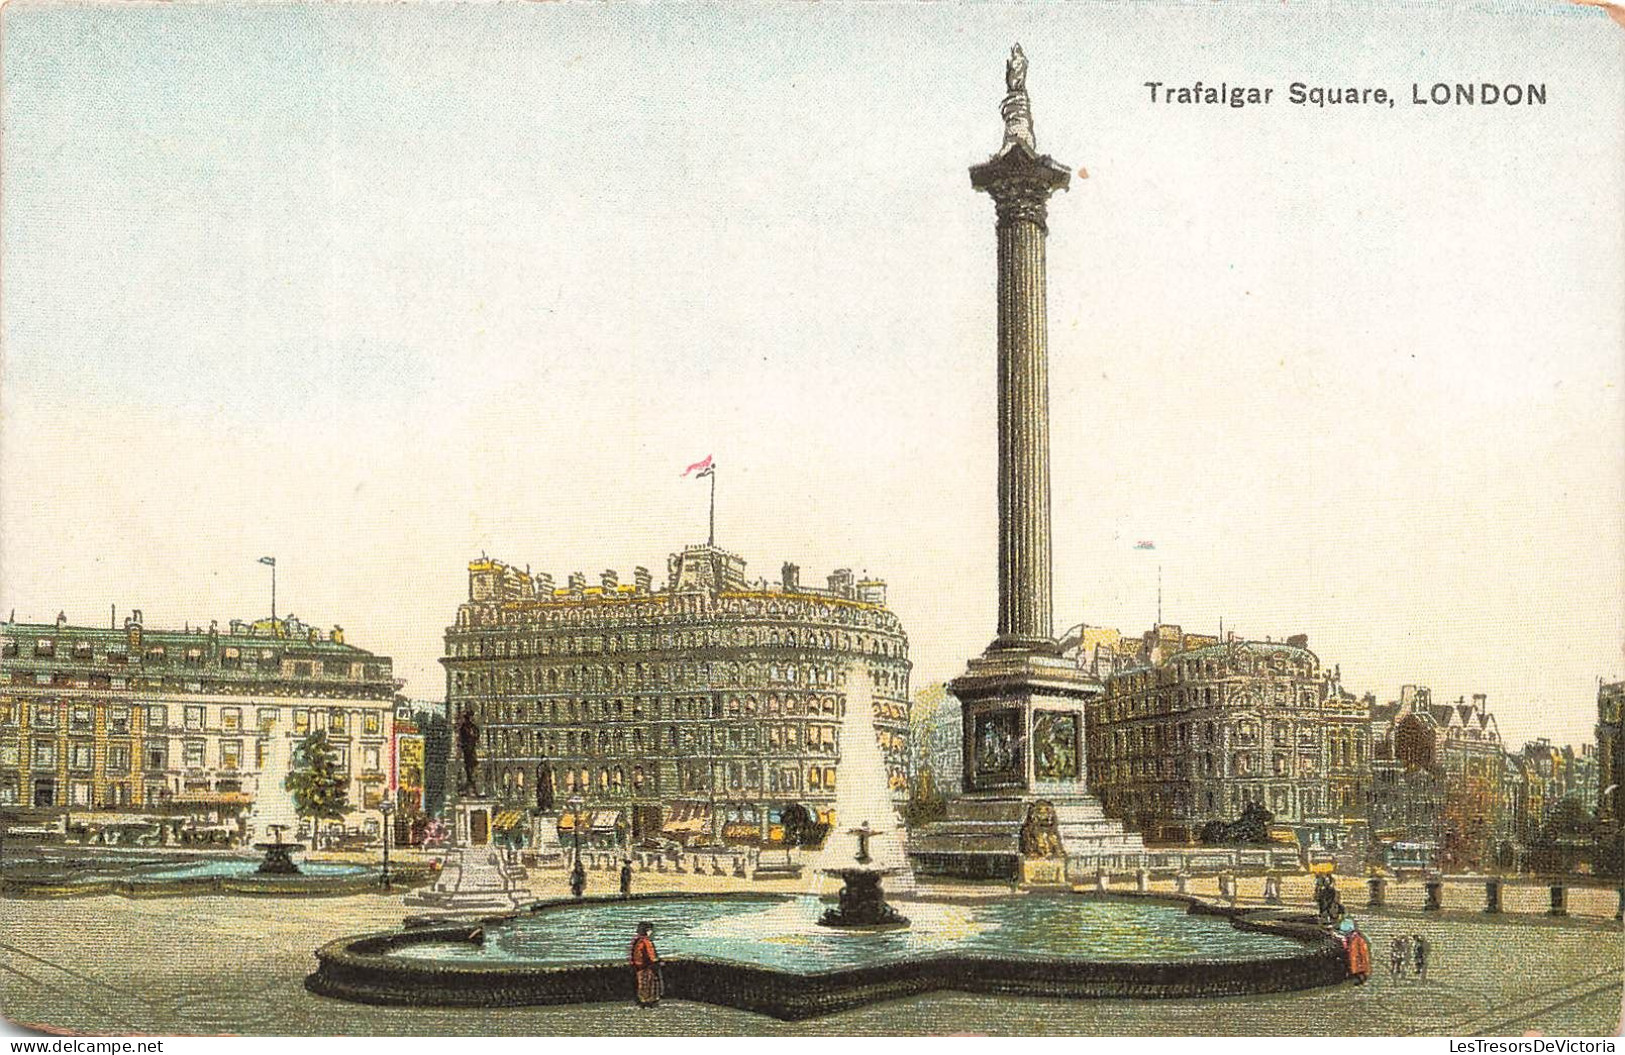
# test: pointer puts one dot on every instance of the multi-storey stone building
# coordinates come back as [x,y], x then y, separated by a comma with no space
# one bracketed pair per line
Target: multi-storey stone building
[1444,783]
[1610,750]
[1192,730]
[170,729]
[695,710]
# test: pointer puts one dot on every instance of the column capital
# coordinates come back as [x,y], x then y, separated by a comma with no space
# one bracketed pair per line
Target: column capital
[1020,183]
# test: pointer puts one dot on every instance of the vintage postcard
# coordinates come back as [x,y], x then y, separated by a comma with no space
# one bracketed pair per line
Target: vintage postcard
[527,519]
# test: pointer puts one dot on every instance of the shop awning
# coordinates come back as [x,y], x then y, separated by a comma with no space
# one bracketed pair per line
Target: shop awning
[606,820]
[688,818]
[508,820]
[211,798]
[113,820]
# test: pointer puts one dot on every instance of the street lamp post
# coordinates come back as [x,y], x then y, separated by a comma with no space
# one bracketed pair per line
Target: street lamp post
[578,873]
[387,808]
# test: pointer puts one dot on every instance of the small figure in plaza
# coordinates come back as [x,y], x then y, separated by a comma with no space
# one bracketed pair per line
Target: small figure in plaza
[646,966]
[1421,948]
[1399,955]
[1358,949]
[578,879]
[626,878]
[468,742]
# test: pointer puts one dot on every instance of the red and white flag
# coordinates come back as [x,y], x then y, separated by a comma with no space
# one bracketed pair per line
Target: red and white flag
[704,467]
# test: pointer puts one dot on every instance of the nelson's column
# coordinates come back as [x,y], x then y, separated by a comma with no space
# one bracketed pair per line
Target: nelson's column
[1026,812]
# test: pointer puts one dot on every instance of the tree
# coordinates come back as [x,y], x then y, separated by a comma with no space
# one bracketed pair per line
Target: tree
[319,788]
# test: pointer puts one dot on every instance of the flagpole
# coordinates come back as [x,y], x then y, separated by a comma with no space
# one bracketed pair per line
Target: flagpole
[711,538]
[273,592]
[1159,593]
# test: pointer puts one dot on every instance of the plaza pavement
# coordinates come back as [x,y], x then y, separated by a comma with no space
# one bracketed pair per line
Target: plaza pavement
[211,965]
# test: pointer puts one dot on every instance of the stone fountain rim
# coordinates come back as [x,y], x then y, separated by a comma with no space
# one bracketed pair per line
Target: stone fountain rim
[359,969]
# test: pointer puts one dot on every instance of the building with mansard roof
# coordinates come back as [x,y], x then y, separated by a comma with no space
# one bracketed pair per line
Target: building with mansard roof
[1190,730]
[167,732]
[692,710]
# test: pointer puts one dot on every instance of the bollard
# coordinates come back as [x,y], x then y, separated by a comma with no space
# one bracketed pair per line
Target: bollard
[1435,896]
[1379,886]
[1492,896]
[1142,881]
[1100,881]
[1560,906]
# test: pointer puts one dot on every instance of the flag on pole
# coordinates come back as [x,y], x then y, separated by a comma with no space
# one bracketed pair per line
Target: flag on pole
[705,467]
[268,560]
[1145,545]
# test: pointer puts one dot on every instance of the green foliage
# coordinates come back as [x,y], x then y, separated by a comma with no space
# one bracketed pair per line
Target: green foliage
[320,790]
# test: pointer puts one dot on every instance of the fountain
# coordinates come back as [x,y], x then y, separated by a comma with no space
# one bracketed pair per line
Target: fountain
[278,854]
[273,811]
[862,791]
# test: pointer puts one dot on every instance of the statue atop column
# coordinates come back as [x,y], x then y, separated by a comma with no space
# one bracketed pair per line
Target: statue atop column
[1017,109]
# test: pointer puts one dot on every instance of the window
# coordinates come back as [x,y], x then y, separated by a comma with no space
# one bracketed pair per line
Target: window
[118,758]
[301,720]
[336,667]
[829,778]
[45,715]
[335,722]
[369,759]
[231,754]
[341,758]
[81,756]
[44,755]
[231,718]
[301,670]
[157,716]
[194,719]
[118,721]
[44,646]
[374,722]
[10,754]
[267,717]
[194,754]
[231,659]
[44,791]
[81,792]
[157,754]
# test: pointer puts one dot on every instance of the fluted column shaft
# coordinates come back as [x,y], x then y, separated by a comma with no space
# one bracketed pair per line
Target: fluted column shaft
[1025,614]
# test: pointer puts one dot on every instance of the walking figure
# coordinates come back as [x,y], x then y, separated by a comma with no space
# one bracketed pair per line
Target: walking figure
[578,880]
[1421,947]
[1357,949]
[1399,955]
[626,878]
[646,966]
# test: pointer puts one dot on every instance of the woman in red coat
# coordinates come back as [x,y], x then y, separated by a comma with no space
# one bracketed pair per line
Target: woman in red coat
[1359,951]
[646,966]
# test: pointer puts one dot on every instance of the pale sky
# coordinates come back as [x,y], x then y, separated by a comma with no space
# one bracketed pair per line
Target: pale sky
[375,289]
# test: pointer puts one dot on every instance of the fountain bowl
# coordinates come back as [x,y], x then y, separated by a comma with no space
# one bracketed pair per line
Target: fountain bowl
[278,860]
[862,904]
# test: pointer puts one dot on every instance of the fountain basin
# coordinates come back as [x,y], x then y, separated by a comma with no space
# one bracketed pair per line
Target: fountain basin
[769,955]
[206,875]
